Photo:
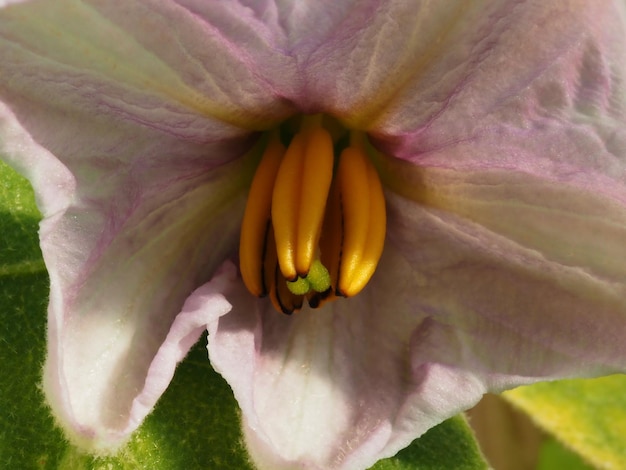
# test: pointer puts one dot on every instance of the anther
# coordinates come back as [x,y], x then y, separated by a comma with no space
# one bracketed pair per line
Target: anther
[256,224]
[355,226]
[299,199]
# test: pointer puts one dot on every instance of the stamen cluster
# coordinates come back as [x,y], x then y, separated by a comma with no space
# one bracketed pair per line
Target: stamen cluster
[314,225]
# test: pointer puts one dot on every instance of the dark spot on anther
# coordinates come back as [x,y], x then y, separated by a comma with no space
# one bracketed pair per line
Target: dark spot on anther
[339,293]
[326,293]
[266,240]
[343,233]
[314,301]
[286,309]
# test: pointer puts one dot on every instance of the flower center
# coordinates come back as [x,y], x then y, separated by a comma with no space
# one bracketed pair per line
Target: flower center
[315,221]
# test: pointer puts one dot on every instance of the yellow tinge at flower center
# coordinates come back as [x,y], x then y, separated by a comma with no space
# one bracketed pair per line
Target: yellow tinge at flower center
[314,225]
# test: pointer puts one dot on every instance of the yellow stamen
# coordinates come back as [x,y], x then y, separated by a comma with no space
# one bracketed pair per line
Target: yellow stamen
[332,235]
[318,168]
[352,180]
[257,218]
[362,257]
[270,263]
[308,233]
[355,224]
[299,199]
[283,300]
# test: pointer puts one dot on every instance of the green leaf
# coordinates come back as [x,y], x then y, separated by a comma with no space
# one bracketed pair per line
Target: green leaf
[195,424]
[587,416]
[23,294]
[451,445]
[554,456]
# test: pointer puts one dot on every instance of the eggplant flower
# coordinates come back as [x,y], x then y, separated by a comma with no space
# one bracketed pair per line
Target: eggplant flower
[489,135]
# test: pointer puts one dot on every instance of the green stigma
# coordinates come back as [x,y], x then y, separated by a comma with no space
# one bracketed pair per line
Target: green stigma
[300,286]
[318,279]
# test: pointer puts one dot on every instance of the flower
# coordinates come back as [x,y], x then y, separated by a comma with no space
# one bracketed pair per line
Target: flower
[499,135]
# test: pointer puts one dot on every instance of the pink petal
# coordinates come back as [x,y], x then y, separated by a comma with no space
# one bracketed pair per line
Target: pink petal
[141,189]
[438,71]
[108,58]
[521,312]
[320,389]
[505,82]
[201,308]
[100,404]
[529,142]
[115,292]
[343,386]
[114,331]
